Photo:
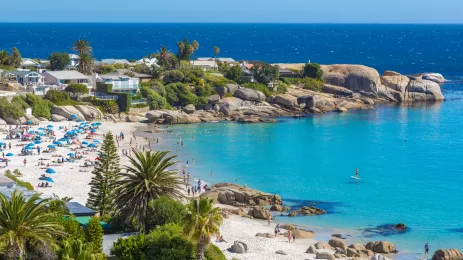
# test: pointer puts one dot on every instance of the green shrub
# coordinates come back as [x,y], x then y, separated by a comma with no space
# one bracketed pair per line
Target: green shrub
[140,105]
[105,106]
[258,86]
[178,94]
[20,101]
[162,211]
[312,70]
[76,90]
[164,243]
[216,80]
[312,84]
[173,76]
[57,97]
[155,101]
[19,182]
[292,81]
[158,87]
[95,234]
[204,91]
[235,73]
[214,253]
[40,107]
[8,109]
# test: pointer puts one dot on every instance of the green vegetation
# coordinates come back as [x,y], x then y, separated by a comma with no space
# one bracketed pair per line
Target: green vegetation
[179,94]
[213,253]
[105,175]
[312,70]
[84,50]
[13,176]
[186,49]
[40,107]
[312,84]
[15,58]
[59,60]
[12,110]
[173,76]
[105,106]
[264,72]
[95,235]
[76,90]
[163,211]
[149,177]
[58,98]
[234,73]
[155,100]
[260,87]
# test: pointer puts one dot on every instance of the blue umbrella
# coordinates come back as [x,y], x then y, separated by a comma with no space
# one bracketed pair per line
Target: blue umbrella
[31,131]
[91,145]
[74,116]
[93,131]
[31,144]
[84,142]
[98,123]
[96,141]
[51,146]
[56,142]
[94,124]
[41,128]
[2,143]
[29,122]
[37,141]
[49,126]
[50,170]
[48,179]
[71,154]
[9,154]
[40,133]
[70,133]
[63,139]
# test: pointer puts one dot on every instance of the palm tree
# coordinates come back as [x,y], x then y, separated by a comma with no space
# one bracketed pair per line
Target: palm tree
[76,249]
[165,57]
[195,46]
[216,52]
[202,221]
[22,220]
[82,46]
[85,65]
[149,177]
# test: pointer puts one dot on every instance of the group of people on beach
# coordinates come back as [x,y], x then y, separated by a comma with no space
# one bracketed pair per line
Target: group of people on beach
[291,235]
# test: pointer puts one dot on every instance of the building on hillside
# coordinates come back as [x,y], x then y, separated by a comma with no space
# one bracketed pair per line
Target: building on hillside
[226,60]
[286,73]
[148,62]
[79,210]
[41,90]
[24,77]
[204,64]
[65,77]
[112,61]
[30,64]
[141,76]
[73,61]
[121,83]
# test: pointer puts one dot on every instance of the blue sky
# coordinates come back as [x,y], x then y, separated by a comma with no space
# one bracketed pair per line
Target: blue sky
[236,11]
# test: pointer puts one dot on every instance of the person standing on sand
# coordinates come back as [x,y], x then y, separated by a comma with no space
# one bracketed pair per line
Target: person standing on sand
[276,232]
[426,248]
[269,219]
[294,235]
[290,235]
[25,161]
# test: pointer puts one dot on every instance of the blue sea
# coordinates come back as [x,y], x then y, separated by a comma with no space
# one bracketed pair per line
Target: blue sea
[410,158]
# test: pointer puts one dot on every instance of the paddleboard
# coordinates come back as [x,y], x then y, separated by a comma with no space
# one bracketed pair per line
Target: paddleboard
[357,178]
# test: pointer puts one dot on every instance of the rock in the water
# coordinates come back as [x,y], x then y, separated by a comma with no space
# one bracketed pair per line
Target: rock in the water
[307,210]
[447,254]
[229,104]
[390,73]
[311,250]
[58,118]
[239,247]
[90,113]
[357,78]
[421,90]
[382,247]
[324,255]
[249,94]
[435,77]
[341,109]
[281,252]
[189,109]
[337,243]
[279,208]
[131,118]
[69,112]
[286,100]
[322,245]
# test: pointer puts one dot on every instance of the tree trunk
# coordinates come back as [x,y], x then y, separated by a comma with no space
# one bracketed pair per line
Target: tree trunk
[200,248]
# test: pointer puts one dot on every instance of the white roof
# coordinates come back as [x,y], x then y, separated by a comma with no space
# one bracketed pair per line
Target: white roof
[29,62]
[218,59]
[204,63]
[67,74]
[73,56]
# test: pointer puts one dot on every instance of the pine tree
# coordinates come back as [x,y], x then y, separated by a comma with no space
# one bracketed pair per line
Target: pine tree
[15,58]
[105,174]
[95,235]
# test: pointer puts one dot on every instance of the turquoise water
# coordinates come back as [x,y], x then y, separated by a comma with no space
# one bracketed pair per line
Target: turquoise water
[409,158]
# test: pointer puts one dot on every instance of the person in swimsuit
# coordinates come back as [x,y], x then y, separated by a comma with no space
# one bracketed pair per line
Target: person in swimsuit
[356,173]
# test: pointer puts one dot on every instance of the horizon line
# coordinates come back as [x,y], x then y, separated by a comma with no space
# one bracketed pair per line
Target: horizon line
[293,23]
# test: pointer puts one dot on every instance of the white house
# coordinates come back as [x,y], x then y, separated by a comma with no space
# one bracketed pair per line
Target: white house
[66,77]
[30,64]
[25,77]
[73,61]
[121,83]
[204,64]
[148,62]
[226,60]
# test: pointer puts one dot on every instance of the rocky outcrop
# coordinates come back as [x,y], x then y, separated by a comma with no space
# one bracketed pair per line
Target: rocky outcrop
[171,117]
[357,78]
[447,254]
[435,77]
[382,247]
[221,90]
[229,105]
[13,121]
[239,247]
[131,118]
[58,118]
[189,109]
[259,213]
[232,88]
[279,208]
[286,100]
[2,122]
[311,250]
[324,255]
[90,113]
[213,99]
[30,119]
[249,94]
[335,90]
[335,243]
[67,112]
[307,210]
[235,195]
[379,257]
[322,245]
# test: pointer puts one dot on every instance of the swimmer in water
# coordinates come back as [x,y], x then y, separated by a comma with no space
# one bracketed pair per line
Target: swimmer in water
[356,173]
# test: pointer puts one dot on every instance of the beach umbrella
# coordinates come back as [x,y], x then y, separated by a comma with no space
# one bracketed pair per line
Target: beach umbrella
[93,131]
[41,128]
[2,143]
[70,133]
[30,144]
[94,124]
[84,142]
[29,122]
[50,170]
[9,154]
[41,133]
[48,179]
[71,154]
[49,126]
[31,131]
[37,141]
[96,141]
[91,145]
[63,139]
[74,116]
[98,123]
[57,142]
[51,146]
[27,135]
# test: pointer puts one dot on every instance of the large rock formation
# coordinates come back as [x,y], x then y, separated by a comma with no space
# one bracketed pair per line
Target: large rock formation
[382,247]
[286,100]
[58,118]
[235,195]
[435,77]
[189,109]
[307,210]
[14,121]
[90,113]
[67,112]
[132,118]
[229,105]
[239,247]
[335,243]
[249,94]
[447,254]
[171,117]
[30,119]
[357,78]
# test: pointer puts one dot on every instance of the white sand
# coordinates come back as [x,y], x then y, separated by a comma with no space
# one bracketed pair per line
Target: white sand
[71,179]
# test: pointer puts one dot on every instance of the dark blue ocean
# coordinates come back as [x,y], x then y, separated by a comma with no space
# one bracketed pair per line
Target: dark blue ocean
[404,48]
